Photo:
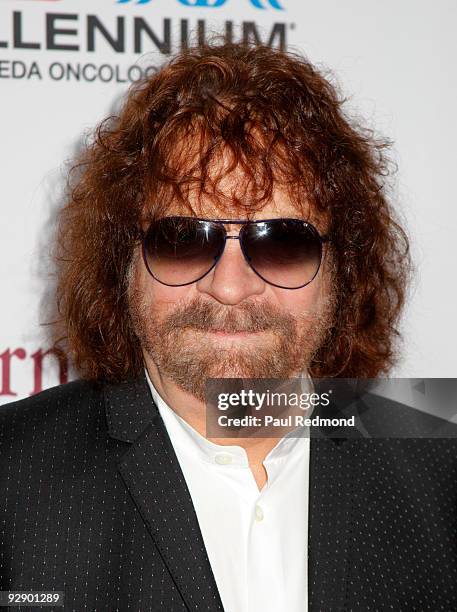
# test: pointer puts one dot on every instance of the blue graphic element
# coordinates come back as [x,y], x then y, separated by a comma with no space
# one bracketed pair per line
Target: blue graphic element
[203,3]
[260,4]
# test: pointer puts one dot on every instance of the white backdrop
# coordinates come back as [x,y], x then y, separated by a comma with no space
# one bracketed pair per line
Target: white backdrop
[395,60]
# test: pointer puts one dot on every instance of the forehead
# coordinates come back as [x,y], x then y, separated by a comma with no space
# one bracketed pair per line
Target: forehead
[229,192]
[279,204]
[232,190]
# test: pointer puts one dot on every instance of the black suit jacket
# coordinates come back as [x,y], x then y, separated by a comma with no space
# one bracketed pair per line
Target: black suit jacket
[94,503]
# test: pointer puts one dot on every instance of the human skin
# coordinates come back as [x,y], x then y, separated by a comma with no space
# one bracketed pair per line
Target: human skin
[175,326]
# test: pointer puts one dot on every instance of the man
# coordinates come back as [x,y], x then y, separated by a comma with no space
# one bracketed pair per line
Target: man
[230,223]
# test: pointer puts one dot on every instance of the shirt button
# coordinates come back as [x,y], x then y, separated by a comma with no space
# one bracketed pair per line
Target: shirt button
[258,513]
[223,459]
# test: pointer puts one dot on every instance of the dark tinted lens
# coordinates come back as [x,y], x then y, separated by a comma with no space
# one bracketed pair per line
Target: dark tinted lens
[180,250]
[285,252]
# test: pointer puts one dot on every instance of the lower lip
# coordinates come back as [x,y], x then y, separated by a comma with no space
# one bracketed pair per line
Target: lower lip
[224,334]
[236,334]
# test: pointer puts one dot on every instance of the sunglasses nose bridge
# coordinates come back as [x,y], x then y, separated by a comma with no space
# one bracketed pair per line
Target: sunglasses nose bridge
[236,237]
[239,238]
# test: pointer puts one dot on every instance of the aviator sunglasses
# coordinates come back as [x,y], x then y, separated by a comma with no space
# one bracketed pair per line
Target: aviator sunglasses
[284,252]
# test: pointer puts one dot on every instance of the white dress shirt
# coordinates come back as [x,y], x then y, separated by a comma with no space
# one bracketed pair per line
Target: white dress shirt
[257,541]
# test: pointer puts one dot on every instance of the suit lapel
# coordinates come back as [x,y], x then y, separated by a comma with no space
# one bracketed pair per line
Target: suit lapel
[332,478]
[153,476]
[330,497]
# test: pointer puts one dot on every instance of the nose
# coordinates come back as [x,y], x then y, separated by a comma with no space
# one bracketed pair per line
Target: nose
[232,279]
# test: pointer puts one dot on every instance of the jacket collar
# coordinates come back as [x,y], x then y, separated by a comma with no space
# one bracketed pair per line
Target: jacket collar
[129,408]
[152,474]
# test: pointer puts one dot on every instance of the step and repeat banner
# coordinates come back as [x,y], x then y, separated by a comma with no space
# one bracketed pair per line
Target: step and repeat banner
[66,64]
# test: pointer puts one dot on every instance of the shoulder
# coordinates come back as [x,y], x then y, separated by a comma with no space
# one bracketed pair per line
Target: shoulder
[67,408]
[385,429]
[61,397]
[417,447]
[387,418]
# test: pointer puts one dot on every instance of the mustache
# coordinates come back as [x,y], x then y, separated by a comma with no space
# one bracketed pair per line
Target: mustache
[248,317]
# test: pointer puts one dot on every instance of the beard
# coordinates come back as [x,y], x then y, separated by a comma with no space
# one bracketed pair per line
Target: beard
[183,349]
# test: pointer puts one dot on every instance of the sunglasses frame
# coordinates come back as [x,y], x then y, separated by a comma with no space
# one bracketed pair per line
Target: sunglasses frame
[243,222]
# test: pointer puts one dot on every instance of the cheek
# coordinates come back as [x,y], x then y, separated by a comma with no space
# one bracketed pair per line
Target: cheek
[296,301]
[160,296]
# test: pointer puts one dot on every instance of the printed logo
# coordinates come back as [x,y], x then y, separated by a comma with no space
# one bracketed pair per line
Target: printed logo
[263,4]
[203,3]
[259,4]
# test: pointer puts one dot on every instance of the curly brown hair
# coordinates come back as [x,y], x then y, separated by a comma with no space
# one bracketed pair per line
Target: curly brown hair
[282,122]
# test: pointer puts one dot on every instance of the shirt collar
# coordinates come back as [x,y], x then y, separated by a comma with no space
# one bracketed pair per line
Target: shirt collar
[187,439]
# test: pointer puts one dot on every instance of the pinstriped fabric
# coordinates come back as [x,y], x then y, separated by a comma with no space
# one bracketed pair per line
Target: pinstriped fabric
[94,503]
[67,520]
[383,524]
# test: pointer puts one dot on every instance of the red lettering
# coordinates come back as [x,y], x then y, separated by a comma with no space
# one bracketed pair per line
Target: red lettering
[38,357]
[6,369]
